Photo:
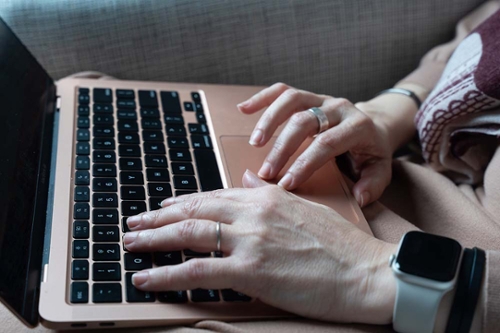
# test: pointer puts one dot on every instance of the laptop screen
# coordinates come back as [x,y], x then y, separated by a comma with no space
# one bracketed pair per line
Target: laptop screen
[27,96]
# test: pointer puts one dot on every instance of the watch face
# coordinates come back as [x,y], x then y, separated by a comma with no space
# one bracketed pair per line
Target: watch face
[429,256]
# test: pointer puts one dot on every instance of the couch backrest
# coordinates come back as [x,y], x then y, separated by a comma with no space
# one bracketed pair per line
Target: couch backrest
[350,48]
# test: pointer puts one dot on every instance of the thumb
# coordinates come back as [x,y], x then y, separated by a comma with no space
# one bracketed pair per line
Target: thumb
[251,180]
[374,179]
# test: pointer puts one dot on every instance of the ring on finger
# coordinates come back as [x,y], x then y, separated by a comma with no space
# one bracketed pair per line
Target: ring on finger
[218,233]
[323,122]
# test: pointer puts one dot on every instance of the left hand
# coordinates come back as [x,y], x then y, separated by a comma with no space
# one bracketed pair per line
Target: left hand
[288,252]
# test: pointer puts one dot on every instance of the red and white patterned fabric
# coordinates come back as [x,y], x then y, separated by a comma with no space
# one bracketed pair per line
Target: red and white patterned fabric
[459,123]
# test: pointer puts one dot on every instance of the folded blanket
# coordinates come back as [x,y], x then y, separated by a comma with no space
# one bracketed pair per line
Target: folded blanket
[459,122]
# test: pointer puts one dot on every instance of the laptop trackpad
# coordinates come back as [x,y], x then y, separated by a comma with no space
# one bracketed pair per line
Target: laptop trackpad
[324,186]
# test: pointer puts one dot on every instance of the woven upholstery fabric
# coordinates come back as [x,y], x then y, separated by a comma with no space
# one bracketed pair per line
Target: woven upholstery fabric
[350,48]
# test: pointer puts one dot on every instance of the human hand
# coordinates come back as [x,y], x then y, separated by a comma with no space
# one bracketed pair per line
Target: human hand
[288,252]
[351,131]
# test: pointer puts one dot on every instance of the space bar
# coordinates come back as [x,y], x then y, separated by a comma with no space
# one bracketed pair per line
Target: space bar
[208,171]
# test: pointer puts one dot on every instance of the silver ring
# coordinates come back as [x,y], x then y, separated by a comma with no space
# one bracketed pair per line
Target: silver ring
[218,232]
[323,122]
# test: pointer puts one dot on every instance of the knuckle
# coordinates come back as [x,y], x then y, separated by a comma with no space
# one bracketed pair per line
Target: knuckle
[324,141]
[299,119]
[291,94]
[187,230]
[195,270]
[280,86]
[190,207]
[301,166]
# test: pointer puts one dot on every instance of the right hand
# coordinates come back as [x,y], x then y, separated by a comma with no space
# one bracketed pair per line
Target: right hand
[351,131]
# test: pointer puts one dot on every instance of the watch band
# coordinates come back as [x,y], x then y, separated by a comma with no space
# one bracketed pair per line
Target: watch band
[415,308]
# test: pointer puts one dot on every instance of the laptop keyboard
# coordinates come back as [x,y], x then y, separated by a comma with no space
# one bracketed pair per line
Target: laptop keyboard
[133,150]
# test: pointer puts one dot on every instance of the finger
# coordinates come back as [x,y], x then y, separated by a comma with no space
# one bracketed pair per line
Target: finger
[325,146]
[197,235]
[288,103]
[250,180]
[300,126]
[263,98]
[197,208]
[375,177]
[206,273]
[236,194]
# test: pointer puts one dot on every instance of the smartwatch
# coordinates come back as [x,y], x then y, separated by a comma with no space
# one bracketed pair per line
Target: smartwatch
[426,269]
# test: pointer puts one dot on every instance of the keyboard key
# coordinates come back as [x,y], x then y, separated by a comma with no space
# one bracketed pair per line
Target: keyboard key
[201,142]
[103,143]
[80,249]
[173,296]
[157,175]
[126,115]
[82,177]
[170,102]
[184,192]
[148,98]
[82,148]
[105,252]
[188,106]
[175,130]
[208,171]
[129,150]
[155,203]
[162,190]
[168,258]
[132,193]
[180,155]
[83,122]
[83,91]
[125,94]
[104,200]
[148,123]
[105,216]
[198,107]
[82,163]
[81,229]
[103,108]
[128,138]
[130,208]
[154,148]
[106,271]
[130,177]
[103,132]
[196,97]
[84,99]
[130,164]
[105,156]
[83,135]
[156,161]
[185,183]
[79,292]
[105,234]
[182,168]
[107,293]
[205,295]
[230,295]
[200,117]
[173,119]
[197,128]
[104,170]
[150,113]
[83,110]
[136,295]
[191,253]
[102,95]
[128,125]
[82,194]
[177,142]
[126,104]
[152,135]
[138,261]
[81,211]
[104,185]
[80,270]
[124,225]
[100,119]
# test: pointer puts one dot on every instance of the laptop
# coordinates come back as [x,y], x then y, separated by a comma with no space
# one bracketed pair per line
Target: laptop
[79,156]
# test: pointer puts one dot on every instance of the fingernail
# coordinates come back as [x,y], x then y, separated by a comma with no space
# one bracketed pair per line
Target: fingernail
[133,221]
[286,181]
[265,170]
[129,238]
[140,278]
[365,199]
[242,104]
[256,137]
